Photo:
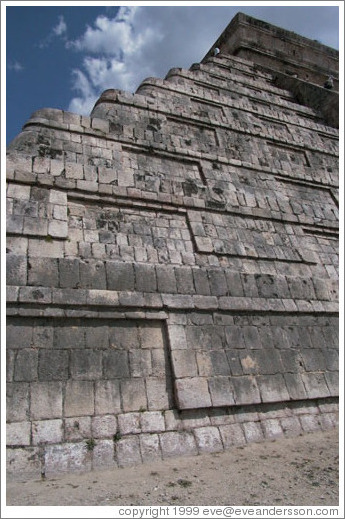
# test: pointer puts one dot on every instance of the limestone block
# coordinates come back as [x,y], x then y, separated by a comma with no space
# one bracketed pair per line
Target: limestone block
[107,396]
[100,124]
[131,299]
[172,420]
[35,295]
[245,390]
[16,269]
[128,451]
[17,245]
[18,191]
[53,365]
[234,284]
[69,457]
[178,301]
[74,171]
[192,393]
[272,428]
[152,422]
[120,276]
[234,337]
[232,435]
[18,434]
[56,229]
[92,275]
[129,423]
[47,431]
[184,280]
[25,368]
[77,428]
[221,391]
[145,278]
[253,432]
[103,455]
[313,359]
[177,444]
[46,400]
[332,379]
[86,364]
[151,335]
[177,337]
[104,426]
[184,363]
[310,423]
[68,336]
[17,402]
[133,395]
[159,393]
[150,447]
[124,336]
[26,462]
[79,398]
[205,302]
[14,224]
[43,272]
[68,273]
[56,169]
[272,388]
[201,282]
[166,281]
[194,418]
[115,364]
[44,248]
[315,385]
[251,337]
[218,284]
[10,358]
[328,421]
[208,439]
[291,426]
[140,363]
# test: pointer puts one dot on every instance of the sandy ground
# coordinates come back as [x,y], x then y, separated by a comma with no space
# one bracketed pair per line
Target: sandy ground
[296,471]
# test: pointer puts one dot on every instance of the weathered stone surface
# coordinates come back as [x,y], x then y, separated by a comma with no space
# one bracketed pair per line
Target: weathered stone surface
[208,439]
[46,400]
[192,392]
[104,426]
[79,398]
[69,457]
[232,435]
[128,451]
[103,455]
[18,434]
[25,461]
[150,447]
[47,431]
[177,444]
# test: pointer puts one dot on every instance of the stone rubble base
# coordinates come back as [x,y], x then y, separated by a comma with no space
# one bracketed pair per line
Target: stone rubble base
[111,441]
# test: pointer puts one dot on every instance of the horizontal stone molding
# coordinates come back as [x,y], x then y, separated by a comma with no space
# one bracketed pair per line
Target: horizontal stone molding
[43,296]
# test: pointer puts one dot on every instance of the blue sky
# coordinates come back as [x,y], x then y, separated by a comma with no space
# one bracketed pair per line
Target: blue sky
[64,57]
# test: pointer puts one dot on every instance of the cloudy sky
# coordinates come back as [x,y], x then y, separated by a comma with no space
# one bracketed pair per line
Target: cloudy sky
[63,57]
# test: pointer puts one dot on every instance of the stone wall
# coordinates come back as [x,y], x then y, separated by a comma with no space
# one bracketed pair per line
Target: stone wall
[172,272]
[280,50]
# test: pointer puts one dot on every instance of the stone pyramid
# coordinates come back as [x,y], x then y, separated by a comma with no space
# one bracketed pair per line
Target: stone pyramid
[172,262]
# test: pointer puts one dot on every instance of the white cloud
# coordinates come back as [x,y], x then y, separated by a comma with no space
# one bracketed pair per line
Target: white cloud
[61,27]
[15,65]
[139,42]
[59,30]
[119,52]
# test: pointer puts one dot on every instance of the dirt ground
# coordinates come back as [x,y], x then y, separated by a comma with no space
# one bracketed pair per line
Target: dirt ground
[295,471]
